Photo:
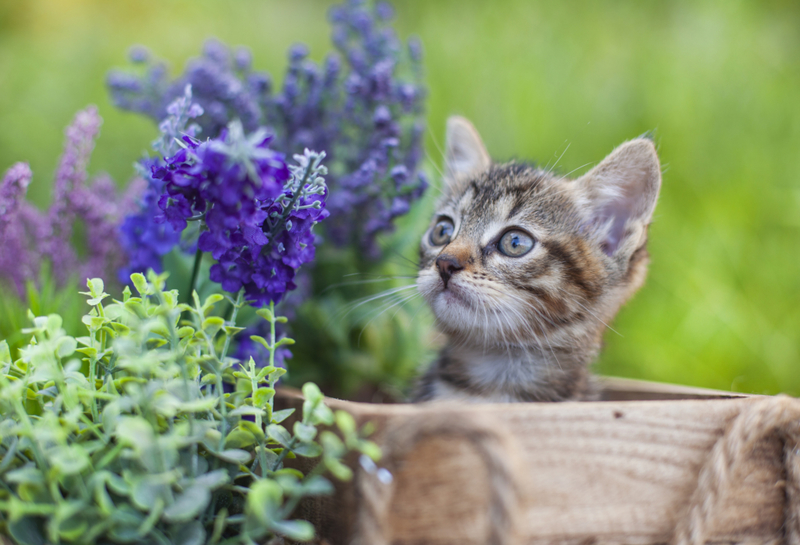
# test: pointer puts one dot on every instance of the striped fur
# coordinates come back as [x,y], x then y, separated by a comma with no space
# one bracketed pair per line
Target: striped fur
[526,328]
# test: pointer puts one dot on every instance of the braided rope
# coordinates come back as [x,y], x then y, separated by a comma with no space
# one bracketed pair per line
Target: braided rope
[764,418]
[492,445]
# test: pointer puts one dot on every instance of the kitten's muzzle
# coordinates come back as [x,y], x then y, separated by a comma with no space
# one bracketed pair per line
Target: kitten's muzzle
[448,265]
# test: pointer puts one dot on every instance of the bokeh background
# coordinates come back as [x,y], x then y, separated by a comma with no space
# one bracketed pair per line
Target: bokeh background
[558,82]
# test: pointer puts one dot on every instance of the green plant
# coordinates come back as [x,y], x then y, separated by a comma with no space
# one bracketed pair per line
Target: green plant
[146,431]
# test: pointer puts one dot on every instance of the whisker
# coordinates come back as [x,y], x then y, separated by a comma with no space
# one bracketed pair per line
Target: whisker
[595,316]
[368,281]
[550,170]
[401,302]
[364,300]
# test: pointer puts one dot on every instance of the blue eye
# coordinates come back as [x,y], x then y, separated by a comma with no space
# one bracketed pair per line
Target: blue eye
[515,243]
[442,232]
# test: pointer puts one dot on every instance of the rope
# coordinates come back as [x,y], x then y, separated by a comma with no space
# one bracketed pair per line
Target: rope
[493,446]
[764,418]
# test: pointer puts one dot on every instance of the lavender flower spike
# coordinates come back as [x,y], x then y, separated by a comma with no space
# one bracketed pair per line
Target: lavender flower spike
[71,174]
[18,259]
[12,192]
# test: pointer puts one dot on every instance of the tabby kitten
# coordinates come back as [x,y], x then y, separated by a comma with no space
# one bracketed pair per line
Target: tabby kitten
[524,269]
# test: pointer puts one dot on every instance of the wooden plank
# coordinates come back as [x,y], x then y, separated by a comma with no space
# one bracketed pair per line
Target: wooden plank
[595,472]
[625,389]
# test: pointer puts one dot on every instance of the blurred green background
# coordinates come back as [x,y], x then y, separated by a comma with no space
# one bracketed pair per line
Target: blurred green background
[718,82]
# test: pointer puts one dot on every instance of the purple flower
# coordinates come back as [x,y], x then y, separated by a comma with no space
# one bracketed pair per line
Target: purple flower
[257,211]
[363,106]
[12,192]
[28,237]
[70,175]
[21,229]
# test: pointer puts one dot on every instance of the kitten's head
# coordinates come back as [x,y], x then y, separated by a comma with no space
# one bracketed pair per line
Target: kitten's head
[518,256]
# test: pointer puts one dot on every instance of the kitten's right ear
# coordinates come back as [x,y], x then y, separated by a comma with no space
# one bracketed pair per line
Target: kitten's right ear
[465,154]
[622,192]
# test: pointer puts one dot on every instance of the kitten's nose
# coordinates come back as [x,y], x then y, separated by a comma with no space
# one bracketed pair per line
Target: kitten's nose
[448,265]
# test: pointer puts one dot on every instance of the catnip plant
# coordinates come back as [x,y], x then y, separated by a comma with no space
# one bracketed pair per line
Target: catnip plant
[128,435]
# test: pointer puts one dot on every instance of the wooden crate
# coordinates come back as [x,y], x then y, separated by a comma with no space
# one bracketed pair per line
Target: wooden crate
[652,463]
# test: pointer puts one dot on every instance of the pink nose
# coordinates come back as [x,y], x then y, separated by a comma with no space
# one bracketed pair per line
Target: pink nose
[448,265]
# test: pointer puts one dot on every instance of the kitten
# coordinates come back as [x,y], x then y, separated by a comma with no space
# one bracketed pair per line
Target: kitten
[524,269]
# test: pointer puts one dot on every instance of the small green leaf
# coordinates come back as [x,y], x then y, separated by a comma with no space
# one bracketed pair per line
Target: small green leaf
[69,459]
[305,432]
[139,282]
[311,392]
[96,286]
[71,524]
[308,450]
[146,490]
[260,340]
[297,530]
[89,352]
[5,354]
[332,444]
[213,479]
[235,456]
[370,449]
[346,422]
[279,435]
[27,531]
[280,416]
[294,474]
[286,341]
[264,501]
[212,300]
[262,396]
[247,410]
[188,504]
[191,533]
[212,325]
[317,413]
[266,314]
[338,469]
[231,330]
[252,428]
[317,485]
[197,405]
[66,347]
[264,372]
[24,475]
[276,374]
[240,438]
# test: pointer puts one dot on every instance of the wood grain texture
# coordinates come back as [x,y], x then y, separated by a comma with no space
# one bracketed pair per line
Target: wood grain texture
[595,472]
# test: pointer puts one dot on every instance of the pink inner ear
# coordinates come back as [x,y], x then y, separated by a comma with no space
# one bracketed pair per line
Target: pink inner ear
[618,210]
[617,215]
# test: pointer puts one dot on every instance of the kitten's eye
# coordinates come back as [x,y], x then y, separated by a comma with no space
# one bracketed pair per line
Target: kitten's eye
[442,232]
[515,243]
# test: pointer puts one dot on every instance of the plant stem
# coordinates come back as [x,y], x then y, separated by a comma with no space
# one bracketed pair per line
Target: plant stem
[198,258]
[272,348]
[234,313]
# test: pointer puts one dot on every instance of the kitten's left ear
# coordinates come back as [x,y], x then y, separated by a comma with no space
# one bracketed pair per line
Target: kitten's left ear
[622,192]
[465,154]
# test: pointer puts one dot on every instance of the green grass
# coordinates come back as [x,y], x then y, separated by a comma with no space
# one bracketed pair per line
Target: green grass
[718,82]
